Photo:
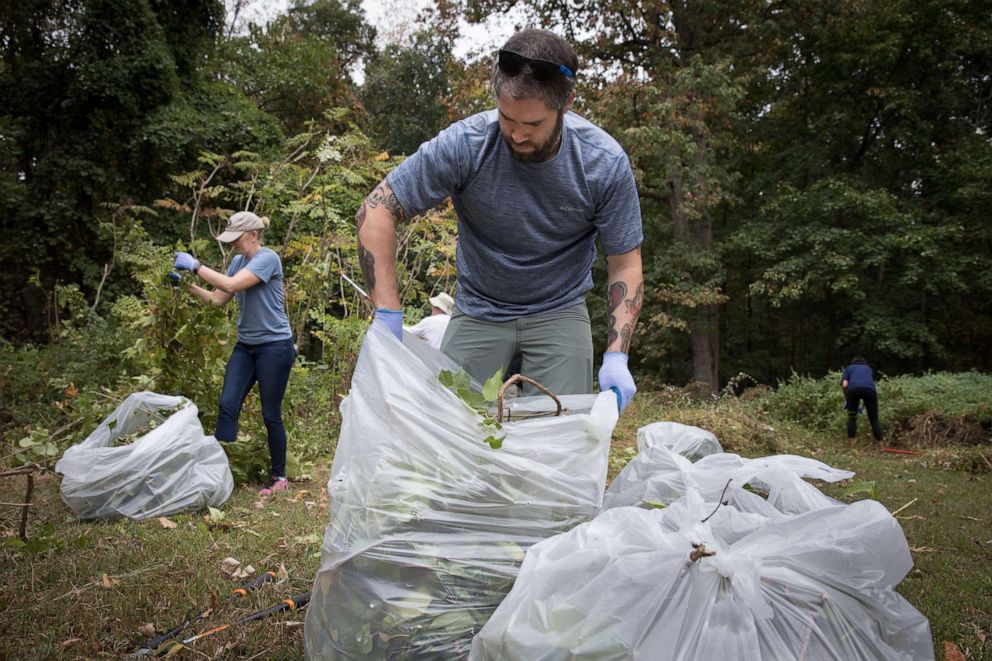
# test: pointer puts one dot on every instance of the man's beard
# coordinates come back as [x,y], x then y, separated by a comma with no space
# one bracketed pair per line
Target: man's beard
[543,151]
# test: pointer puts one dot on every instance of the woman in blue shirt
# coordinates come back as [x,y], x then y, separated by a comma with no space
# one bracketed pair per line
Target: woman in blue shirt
[264,352]
[859,386]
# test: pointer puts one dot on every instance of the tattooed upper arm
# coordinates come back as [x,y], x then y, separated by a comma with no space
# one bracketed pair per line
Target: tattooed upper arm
[383,195]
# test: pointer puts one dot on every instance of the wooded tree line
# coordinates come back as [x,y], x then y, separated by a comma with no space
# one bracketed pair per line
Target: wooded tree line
[815,176]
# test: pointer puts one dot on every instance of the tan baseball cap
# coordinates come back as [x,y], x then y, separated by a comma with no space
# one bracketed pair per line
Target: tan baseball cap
[239,223]
[443,301]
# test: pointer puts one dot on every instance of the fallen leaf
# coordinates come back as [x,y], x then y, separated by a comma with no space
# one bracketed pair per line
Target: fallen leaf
[259,504]
[282,575]
[242,572]
[166,522]
[952,652]
[147,630]
[911,481]
[109,582]
[229,566]
[70,641]
[981,635]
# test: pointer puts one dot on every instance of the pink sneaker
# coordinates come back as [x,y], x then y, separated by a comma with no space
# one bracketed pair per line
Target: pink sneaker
[274,484]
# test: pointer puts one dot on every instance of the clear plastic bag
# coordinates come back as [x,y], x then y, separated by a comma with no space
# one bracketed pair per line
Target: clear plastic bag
[428,523]
[170,466]
[660,475]
[693,443]
[815,586]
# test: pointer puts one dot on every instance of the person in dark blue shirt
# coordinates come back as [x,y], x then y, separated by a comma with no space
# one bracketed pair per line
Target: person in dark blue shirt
[859,386]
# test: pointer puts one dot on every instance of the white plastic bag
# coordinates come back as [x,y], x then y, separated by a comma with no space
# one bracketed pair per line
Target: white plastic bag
[428,523]
[171,468]
[660,475]
[693,443]
[816,586]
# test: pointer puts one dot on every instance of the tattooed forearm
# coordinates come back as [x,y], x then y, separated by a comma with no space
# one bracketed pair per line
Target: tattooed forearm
[617,329]
[383,195]
[367,261]
[614,296]
[625,336]
[634,304]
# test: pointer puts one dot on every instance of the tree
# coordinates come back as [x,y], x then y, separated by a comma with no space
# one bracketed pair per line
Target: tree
[865,236]
[78,80]
[297,67]
[404,89]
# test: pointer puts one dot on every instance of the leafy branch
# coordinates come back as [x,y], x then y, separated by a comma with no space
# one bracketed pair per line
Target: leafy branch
[479,402]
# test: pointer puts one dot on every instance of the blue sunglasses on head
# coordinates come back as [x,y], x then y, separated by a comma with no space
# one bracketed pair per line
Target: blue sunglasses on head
[543,71]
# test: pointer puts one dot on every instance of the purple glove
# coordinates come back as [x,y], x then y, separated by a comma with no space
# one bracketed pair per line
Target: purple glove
[392,319]
[614,374]
[186,261]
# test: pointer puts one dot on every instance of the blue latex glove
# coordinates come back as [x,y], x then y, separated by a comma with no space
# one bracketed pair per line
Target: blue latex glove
[186,262]
[393,320]
[173,278]
[614,374]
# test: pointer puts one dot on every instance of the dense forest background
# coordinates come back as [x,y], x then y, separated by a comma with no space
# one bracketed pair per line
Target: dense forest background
[815,177]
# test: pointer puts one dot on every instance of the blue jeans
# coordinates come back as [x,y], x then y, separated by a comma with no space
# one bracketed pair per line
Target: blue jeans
[268,364]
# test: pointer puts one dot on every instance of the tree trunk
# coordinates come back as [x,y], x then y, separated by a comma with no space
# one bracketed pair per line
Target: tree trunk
[704,325]
[705,334]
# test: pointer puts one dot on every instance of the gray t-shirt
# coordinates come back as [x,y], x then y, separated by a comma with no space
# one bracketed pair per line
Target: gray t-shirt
[262,308]
[526,231]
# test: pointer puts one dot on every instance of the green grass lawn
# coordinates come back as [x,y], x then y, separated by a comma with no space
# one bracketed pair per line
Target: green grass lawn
[94,584]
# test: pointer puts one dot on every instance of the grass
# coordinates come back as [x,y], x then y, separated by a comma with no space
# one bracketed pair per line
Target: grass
[88,597]
[90,586]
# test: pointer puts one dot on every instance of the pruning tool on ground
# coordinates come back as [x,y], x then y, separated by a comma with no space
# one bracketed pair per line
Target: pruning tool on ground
[153,646]
[292,603]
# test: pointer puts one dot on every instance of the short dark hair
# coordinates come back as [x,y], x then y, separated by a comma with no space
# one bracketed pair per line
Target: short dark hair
[540,45]
[859,360]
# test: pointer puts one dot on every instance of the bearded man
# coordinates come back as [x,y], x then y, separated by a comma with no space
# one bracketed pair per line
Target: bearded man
[534,185]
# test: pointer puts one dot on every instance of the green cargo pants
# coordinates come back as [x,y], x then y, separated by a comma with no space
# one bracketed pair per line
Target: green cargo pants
[556,348]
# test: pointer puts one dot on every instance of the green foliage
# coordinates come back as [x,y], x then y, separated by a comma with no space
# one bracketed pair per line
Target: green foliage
[296,67]
[403,92]
[79,81]
[478,402]
[867,487]
[818,403]
[155,336]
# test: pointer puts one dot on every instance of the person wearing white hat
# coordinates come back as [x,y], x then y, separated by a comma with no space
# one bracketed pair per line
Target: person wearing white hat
[265,352]
[431,328]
